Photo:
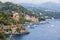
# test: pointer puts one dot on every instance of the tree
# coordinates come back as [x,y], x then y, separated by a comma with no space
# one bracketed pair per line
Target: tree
[18,30]
[2,36]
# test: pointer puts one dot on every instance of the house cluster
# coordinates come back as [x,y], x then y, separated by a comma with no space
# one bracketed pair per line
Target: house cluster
[13,29]
[29,17]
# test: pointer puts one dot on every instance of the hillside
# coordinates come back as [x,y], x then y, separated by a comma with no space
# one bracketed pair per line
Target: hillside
[12,7]
[6,13]
[48,9]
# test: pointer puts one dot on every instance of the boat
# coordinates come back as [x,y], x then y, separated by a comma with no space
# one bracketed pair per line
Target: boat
[52,25]
[11,37]
[28,26]
[43,22]
[35,25]
[52,18]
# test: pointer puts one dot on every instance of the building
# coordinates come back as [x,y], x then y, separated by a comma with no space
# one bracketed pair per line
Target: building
[31,17]
[16,16]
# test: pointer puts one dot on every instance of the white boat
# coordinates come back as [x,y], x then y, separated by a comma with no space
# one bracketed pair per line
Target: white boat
[11,35]
[52,18]
[28,26]
[52,25]
[43,22]
[35,25]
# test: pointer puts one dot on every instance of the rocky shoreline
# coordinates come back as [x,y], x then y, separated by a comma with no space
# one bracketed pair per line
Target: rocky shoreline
[22,32]
[13,30]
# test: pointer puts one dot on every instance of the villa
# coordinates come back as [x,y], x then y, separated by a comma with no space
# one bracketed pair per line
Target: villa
[31,17]
[16,16]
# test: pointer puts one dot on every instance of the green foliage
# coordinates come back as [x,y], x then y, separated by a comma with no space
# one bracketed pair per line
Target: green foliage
[2,36]
[6,13]
[18,29]
[49,13]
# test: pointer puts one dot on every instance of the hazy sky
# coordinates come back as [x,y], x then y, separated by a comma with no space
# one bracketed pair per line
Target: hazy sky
[32,1]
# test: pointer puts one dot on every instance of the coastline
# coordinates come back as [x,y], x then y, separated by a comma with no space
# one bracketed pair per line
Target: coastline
[13,30]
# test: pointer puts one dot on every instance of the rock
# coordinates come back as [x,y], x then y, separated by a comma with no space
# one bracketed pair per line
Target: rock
[7,39]
[24,32]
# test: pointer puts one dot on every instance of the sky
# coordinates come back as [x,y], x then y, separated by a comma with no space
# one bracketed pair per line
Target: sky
[32,1]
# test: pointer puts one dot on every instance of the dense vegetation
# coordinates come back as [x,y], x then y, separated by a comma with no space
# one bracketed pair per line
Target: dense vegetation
[2,36]
[49,13]
[6,13]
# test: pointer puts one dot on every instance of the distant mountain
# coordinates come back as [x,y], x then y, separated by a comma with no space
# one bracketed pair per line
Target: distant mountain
[51,6]
[45,6]
[27,5]
[32,7]
[48,9]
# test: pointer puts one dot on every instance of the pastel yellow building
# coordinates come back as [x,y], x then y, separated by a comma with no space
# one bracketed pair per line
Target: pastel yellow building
[31,18]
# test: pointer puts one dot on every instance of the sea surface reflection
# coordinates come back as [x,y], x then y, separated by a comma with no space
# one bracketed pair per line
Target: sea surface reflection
[48,31]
